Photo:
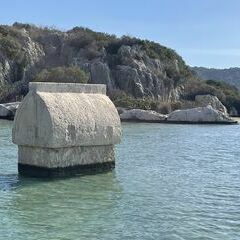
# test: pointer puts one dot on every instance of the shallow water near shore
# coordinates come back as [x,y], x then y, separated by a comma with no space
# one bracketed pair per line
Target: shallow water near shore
[170,182]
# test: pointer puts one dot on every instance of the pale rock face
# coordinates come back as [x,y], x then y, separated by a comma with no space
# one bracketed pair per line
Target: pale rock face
[200,114]
[60,125]
[141,115]
[5,71]
[205,100]
[14,71]
[140,75]
[33,50]
[132,71]
[100,74]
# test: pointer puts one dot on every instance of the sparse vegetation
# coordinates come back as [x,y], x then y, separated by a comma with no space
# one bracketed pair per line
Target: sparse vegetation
[226,93]
[11,92]
[230,95]
[121,99]
[195,87]
[62,74]
[9,46]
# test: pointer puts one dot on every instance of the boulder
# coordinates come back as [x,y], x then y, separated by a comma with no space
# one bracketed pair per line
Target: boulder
[205,100]
[142,116]
[199,115]
[7,110]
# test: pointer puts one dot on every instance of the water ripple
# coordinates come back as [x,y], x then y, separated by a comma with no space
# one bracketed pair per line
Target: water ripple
[171,182]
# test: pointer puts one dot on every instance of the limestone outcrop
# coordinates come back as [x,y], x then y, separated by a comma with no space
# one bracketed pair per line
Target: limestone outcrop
[199,115]
[60,127]
[205,100]
[7,110]
[140,115]
[139,68]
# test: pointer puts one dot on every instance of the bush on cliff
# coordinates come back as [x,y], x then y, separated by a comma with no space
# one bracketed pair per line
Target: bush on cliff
[226,93]
[63,75]
[122,99]
[9,46]
[195,87]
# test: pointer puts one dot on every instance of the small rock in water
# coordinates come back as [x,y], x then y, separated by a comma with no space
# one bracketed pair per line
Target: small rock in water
[199,115]
[7,110]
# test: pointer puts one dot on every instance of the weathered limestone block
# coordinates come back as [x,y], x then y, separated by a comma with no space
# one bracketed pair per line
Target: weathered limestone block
[65,128]
[142,116]
[205,100]
[199,115]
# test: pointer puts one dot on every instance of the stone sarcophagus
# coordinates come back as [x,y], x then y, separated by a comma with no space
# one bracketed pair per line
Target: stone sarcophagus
[65,129]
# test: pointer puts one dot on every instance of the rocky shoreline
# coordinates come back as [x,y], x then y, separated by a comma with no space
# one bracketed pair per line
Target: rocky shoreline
[198,115]
[207,110]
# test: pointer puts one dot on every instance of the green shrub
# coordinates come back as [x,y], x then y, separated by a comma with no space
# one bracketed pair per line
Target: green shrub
[164,107]
[195,87]
[9,46]
[176,105]
[62,74]
[122,99]
[114,44]
[80,37]
[3,30]
[80,40]
[10,92]
[226,93]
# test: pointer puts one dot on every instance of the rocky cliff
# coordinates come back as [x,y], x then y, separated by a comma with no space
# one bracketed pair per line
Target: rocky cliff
[137,67]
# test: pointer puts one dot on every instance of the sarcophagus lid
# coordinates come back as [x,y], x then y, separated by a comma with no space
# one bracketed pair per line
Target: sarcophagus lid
[61,126]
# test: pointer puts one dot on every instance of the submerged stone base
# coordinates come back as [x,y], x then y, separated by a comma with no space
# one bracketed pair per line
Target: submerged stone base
[61,162]
[44,172]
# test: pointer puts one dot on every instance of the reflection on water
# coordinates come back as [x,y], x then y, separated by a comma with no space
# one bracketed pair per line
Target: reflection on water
[63,208]
[170,182]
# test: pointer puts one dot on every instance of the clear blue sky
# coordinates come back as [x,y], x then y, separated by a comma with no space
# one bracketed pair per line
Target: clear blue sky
[205,32]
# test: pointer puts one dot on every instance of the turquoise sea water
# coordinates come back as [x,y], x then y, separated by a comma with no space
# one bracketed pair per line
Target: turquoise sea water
[170,182]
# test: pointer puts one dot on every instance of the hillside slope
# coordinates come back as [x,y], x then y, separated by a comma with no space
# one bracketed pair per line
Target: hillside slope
[137,67]
[138,73]
[229,75]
